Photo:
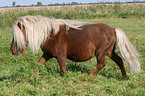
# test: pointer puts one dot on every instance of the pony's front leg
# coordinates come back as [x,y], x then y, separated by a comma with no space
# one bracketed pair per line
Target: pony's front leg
[44,59]
[62,63]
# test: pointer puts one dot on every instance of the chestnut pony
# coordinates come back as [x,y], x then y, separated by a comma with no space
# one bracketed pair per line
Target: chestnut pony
[74,40]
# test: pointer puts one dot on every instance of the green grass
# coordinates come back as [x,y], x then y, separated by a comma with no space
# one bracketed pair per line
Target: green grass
[17,77]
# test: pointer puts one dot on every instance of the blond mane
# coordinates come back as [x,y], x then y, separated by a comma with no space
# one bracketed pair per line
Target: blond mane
[38,29]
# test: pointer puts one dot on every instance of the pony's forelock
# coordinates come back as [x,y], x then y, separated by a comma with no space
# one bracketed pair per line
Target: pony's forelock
[19,38]
[38,29]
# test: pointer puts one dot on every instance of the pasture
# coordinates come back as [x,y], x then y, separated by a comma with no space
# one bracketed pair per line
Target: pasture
[17,76]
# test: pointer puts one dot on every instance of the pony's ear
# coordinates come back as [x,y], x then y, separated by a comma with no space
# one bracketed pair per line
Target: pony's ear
[20,25]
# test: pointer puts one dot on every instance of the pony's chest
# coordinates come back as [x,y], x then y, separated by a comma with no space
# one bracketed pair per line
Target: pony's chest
[50,48]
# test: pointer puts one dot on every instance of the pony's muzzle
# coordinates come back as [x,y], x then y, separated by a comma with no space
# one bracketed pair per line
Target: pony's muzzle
[14,52]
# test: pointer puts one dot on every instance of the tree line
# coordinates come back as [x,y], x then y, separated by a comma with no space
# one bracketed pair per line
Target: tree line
[73,3]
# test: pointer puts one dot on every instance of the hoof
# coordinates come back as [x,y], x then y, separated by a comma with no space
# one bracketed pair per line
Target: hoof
[35,72]
[126,76]
[91,75]
[63,73]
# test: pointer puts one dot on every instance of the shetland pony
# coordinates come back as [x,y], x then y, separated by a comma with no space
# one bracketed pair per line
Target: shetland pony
[74,40]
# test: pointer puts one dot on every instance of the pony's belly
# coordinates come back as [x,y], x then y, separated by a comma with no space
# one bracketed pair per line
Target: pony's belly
[81,53]
[79,58]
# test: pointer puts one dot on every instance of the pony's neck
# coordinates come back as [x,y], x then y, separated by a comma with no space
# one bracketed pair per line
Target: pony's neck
[41,28]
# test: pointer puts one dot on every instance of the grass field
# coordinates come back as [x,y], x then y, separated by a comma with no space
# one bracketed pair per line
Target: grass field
[17,77]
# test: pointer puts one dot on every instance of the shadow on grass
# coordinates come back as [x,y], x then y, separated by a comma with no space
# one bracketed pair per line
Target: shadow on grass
[74,67]
[5,77]
[12,77]
[15,75]
[78,67]
[84,69]
[109,75]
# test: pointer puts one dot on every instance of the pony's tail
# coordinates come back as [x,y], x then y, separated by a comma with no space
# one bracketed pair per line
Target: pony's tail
[128,52]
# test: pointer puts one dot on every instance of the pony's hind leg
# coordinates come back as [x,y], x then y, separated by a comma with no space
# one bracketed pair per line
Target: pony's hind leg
[118,60]
[101,64]
[103,51]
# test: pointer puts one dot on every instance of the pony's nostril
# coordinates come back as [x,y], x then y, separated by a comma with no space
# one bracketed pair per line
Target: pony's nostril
[13,52]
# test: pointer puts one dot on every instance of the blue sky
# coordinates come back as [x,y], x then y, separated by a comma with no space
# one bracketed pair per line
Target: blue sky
[46,2]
